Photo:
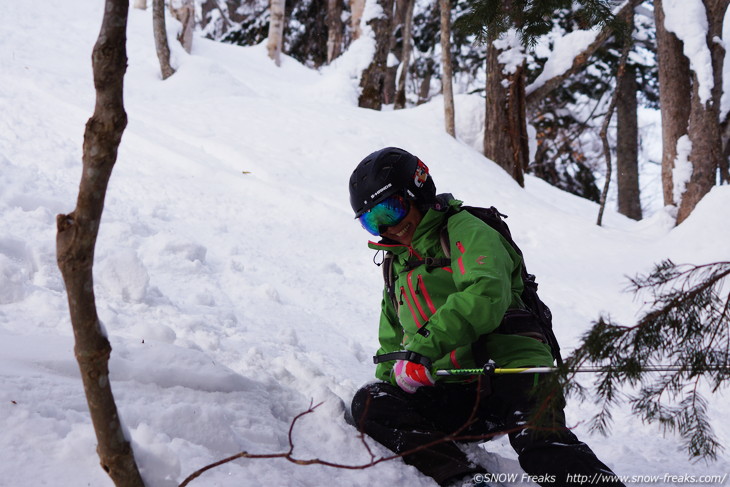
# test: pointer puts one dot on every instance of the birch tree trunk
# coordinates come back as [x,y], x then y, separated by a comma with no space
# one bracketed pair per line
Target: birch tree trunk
[184,11]
[276,30]
[163,48]
[373,77]
[357,7]
[76,239]
[400,93]
[447,74]
[424,90]
[674,95]
[334,29]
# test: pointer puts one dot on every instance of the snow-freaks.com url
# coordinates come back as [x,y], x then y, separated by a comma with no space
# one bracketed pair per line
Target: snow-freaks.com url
[601,478]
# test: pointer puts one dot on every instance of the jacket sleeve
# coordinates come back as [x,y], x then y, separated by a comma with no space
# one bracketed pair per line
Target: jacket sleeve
[390,335]
[486,276]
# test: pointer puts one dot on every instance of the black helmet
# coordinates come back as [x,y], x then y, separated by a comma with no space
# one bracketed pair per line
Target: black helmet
[387,172]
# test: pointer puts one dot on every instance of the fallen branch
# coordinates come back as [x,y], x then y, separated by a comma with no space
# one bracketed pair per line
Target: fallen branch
[374,460]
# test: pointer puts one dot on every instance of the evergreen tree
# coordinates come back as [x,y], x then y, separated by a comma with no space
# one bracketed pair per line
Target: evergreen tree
[530,19]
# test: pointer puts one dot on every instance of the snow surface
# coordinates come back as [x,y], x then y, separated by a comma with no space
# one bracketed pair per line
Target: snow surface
[234,284]
[682,171]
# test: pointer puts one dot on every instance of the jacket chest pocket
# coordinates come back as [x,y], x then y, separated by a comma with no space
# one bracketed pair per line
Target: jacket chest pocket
[416,303]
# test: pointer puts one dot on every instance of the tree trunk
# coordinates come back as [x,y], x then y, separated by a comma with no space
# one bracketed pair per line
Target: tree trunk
[627,146]
[674,95]
[405,63]
[704,119]
[140,4]
[424,90]
[334,29]
[276,30]
[725,161]
[163,48]
[447,72]
[357,7]
[76,239]
[505,133]
[621,73]
[184,11]
[496,138]
[372,81]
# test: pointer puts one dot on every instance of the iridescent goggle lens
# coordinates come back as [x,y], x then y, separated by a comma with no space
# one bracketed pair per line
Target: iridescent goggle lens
[387,213]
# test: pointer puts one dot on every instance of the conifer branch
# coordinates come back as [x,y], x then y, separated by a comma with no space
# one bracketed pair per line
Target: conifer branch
[687,325]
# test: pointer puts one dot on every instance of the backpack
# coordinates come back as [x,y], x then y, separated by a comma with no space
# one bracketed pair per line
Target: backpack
[535,322]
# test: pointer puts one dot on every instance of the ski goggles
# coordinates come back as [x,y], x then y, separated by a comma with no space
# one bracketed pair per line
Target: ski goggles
[391,211]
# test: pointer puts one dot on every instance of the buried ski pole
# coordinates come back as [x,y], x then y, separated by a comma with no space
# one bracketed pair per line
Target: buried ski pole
[492,369]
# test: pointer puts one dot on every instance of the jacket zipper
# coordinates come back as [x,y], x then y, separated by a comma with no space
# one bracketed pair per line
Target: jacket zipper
[415,298]
[426,296]
[410,306]
[460,260]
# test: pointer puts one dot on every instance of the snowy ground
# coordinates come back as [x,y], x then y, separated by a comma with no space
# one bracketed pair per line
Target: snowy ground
[232,280]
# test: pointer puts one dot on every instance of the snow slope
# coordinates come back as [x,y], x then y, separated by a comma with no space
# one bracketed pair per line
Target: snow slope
[233,282]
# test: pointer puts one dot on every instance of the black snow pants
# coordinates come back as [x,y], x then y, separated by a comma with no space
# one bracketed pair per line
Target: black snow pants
[402,421]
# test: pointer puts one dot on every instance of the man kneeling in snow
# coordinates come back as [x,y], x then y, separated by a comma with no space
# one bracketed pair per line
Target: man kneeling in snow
[453,291]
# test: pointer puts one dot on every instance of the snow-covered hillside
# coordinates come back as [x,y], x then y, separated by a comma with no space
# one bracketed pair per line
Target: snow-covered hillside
[232,280]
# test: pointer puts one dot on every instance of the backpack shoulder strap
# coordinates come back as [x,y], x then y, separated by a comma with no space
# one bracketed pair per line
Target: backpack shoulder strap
[445,243]
[389,278]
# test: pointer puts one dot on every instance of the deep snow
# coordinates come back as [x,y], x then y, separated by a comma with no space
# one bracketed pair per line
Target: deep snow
[234,284]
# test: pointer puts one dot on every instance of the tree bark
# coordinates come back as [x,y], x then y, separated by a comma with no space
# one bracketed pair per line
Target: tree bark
[627,146]
[674,94]
[725,161]
[140,4]
[620,75]
[276,30]
[505,133]
[704,119]
[76,239]
[334,29]
[357,7]
[447,72]
[424,90]
[372,80]
[184,11]
[163,48]
[405,63]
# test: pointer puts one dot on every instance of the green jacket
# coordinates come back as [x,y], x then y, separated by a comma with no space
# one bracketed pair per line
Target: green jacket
[459,303]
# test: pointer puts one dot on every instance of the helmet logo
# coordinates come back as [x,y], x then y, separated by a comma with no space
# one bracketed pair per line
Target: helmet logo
[375,194]
[421,174]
